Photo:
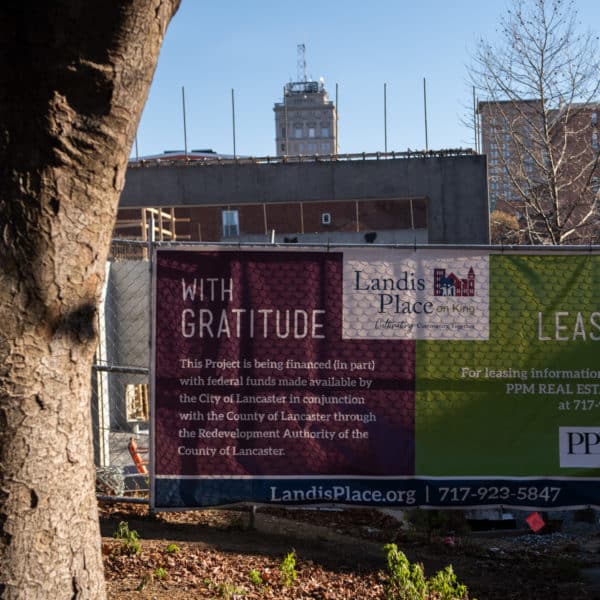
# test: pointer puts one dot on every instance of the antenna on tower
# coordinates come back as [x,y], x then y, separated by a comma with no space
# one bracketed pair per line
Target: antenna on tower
[301,63]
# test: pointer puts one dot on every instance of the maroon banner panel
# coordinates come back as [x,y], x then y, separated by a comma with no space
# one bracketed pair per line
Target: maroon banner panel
[253,378]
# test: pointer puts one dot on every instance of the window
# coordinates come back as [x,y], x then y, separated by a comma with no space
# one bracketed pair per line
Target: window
[231,223]
[595,185]
[325,148]
[300,148]
[283,147]
[312,147]
[325,218]
[312,132]
[298,131]
[324,131]
[595,140]
[283,132]
[594,119]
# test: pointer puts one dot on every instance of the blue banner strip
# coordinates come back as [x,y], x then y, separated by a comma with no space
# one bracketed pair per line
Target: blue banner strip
[402,493]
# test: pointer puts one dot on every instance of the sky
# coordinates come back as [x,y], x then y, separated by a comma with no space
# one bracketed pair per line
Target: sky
[251,46]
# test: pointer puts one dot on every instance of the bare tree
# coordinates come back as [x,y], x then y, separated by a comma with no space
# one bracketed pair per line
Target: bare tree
[539,121]
[74,76]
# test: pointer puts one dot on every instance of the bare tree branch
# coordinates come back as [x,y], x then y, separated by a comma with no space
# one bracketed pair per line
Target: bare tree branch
[538,121]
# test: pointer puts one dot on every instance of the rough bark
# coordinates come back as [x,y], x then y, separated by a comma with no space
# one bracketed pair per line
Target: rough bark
[74,76]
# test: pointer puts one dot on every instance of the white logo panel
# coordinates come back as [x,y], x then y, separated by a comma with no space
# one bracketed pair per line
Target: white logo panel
[415,295]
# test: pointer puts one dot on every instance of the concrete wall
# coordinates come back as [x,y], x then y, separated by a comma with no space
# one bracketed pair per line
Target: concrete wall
[455,187]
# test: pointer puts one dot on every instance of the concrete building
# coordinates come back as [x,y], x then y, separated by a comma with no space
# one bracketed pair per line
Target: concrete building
[305,121]
[433,197]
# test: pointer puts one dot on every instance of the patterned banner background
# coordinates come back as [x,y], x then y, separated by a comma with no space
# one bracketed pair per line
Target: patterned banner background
[375,377]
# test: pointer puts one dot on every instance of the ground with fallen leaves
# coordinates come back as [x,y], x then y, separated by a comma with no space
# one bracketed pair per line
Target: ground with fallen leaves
[338,555]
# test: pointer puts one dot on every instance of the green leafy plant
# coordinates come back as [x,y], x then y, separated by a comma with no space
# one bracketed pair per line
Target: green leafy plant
[160,573]
[287,568]
[255,577]
[444,585]
[172,549]
[130,541]
[406,581]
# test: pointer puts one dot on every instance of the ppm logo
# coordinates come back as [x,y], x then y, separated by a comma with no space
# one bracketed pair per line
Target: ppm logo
[579,447]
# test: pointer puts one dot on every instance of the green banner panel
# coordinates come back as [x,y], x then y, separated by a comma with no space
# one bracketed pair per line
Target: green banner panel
[525,402]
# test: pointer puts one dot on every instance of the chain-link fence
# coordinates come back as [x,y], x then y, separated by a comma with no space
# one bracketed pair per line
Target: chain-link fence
[120,374]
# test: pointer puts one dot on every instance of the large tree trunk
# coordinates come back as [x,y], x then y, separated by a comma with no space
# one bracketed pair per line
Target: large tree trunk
[74,75]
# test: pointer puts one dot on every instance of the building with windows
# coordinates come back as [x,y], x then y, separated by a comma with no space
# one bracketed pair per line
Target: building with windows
[305,121]
[506,140]
[516,137]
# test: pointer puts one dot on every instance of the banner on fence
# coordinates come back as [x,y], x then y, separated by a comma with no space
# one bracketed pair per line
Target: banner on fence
[371,376]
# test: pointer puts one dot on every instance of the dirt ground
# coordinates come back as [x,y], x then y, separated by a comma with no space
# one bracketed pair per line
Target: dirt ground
[338,555]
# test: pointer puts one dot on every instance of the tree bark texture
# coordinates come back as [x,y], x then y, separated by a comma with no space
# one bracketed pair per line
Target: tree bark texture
[74,76]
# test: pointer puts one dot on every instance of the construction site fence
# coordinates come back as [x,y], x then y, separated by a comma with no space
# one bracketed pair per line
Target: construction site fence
[121,369]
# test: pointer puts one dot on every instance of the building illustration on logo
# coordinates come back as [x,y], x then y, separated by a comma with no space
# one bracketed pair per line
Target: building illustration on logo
[451,285]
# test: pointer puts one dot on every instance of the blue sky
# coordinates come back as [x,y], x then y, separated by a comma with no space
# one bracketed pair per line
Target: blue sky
[251,46]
